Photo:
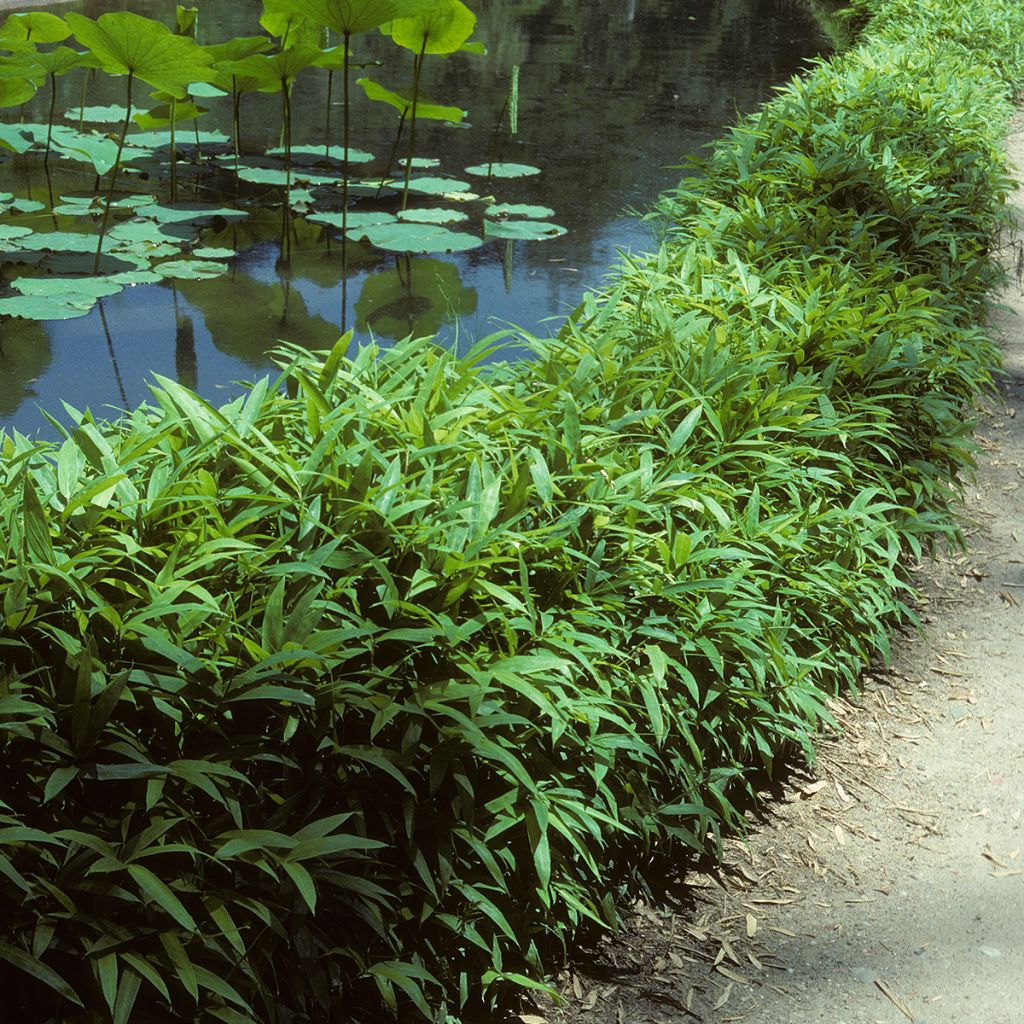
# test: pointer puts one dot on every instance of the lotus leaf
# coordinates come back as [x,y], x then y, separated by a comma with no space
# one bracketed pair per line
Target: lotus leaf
[399,237]
[12,137]
[518,210]
[356,219]
[350,17]
[190,213]
[212,252]
[160,139]
[191,270]
[277,176]
[68,289]
[527,230]
[444,28]
[25,205]
[36,307]
[15,90]
[205,90]
[437,186]
[8,232]
[503,170]
[427,109]
[34,27]
[433,215]
[99,115]
[129,44]
[311,154]
[164,114]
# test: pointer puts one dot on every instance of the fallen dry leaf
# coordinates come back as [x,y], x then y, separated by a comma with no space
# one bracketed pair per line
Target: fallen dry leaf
[893,998]
[751,926]
[724,997]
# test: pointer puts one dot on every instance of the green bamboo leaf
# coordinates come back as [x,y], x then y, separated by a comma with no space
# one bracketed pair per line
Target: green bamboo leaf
[160,894]
[37,969]
[183,966]
[106,974]
[303,882]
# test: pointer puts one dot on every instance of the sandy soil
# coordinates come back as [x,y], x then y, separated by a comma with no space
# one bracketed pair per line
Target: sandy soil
[888,886]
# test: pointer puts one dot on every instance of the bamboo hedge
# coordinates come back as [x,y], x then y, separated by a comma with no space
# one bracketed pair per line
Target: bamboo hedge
[365,692]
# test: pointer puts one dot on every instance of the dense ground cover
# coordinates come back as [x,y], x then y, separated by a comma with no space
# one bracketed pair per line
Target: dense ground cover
[370,691]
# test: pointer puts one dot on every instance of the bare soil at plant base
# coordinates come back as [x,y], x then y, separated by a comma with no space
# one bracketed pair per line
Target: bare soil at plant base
[889,885]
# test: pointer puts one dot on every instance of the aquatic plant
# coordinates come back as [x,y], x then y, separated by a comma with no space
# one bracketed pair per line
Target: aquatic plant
[136,47]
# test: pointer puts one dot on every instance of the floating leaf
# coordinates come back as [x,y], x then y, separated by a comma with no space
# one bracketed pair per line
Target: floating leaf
[36,307]
[67,289]
[528,230]
[162,139]
[312,154]
[12,137]
[190,270]
[399,237]
[433,215]
[204,90]
[518,210]
[190,213]
[356,218]
[97,114]
[212,253]
[503,170]
[277,176]
[437,186]
[11,231]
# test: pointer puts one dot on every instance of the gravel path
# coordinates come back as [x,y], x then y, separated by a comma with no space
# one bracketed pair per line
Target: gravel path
[889,886]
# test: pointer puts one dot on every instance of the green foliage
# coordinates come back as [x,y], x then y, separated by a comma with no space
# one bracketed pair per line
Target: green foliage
[372,688]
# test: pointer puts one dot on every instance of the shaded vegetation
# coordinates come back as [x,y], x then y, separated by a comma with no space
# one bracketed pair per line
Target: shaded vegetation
[372,688]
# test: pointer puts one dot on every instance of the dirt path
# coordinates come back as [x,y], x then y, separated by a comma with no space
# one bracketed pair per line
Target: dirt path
[890,886]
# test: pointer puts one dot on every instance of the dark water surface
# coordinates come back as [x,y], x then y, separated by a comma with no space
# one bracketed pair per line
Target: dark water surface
[612,95]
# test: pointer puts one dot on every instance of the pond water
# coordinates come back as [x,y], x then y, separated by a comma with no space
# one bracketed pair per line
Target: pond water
[612,97]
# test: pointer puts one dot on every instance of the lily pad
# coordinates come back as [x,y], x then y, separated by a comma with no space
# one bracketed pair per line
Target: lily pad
[518,210]
[191,270]
[12,231]
[420,163]
[162,139]
[190,213]
[356,219]
[433,215]
[130,278]
[527,230]
[437,186]
[278,176]
[311,154]
[503,170]
[399,237]
[12,137]
[138,231]
[68,289]
[63,241]
[213,252]
[36,307]
[27,205]
[112,114]
[205,90]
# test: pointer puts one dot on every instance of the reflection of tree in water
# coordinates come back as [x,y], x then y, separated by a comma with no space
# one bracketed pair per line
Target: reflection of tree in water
[413,298]
[25,355]
[246,317]
[186,369]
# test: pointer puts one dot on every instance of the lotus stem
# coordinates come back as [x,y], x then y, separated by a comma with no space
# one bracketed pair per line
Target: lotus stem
[113,175]
[391,155]
[327,115]
[174,156]
[344,151]
[417,68]
[49,124]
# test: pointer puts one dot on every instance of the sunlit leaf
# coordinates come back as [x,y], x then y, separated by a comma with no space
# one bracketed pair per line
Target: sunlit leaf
[402,102]
[130,44]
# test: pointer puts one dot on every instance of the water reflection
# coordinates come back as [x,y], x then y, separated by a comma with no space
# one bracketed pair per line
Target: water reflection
[611,97]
